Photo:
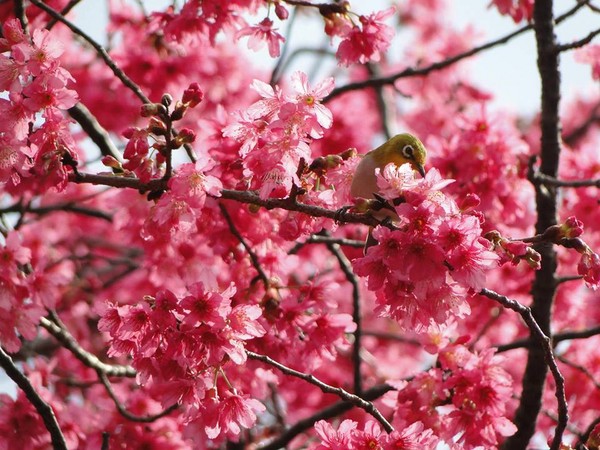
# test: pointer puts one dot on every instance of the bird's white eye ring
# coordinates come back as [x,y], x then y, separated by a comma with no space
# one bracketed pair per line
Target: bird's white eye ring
[408,151]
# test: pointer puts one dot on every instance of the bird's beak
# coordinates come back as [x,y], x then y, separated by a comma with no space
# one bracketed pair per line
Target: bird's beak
[420,169]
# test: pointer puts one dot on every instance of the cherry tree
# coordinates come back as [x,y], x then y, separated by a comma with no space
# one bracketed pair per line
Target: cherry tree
[183,265]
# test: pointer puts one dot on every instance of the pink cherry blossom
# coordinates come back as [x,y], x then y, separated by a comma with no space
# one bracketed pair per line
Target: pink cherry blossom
[261,34]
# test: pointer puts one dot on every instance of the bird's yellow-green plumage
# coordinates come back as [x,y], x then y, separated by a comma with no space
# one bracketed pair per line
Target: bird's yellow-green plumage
[401,149]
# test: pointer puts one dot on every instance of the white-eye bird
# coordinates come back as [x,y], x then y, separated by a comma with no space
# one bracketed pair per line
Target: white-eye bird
[401,149]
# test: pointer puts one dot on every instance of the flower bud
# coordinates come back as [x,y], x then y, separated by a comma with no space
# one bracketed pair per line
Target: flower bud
[185,136]
[350,153]
[572,227]
[166,100]
[111,162]
[469,202]
[281,12]
[192,95]
[157,126]
[152,109]
[179,111]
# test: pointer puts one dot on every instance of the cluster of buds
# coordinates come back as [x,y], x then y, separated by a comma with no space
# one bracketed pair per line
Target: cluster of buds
[160,129]
[566,235]
[322,164]
[513,251]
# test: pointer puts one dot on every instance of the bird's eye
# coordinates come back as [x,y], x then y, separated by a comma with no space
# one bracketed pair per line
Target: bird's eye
[408,151]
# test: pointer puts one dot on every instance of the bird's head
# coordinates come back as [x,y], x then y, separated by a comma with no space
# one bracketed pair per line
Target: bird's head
[401,149]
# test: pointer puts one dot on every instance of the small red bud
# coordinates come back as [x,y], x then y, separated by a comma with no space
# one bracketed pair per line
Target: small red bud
[111,162]
[157,126]
[166,100]
[192,95]
[281,11]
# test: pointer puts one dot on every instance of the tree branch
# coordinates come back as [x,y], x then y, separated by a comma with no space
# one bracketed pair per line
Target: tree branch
[326,388]
[99,49]
[546,348]
[556,338]
[123,411]
[94,130]
[346,267]
[255,261]
[88,359]
[240,196]
[43,408]
[411,72]
[579,43]
[327,413]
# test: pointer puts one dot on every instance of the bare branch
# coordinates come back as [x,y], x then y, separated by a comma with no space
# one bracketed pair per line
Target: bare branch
[412,72]
[123,411]
[94,130]
[240,196]
[43,408]
[326,388]
[253,257]
[63,13]
[545,344]
[346,267]
[327,413]
[70,343]
[580,43]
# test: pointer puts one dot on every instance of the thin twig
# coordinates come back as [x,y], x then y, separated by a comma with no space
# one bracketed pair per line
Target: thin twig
[587,433]
[44,409]
[58,207]
[346,267]
[253,257]
[20,14]
[552,181]
[577,44]
[63,13]
[123,411]
[545,343]
[99,49]
[327,413]
[319,239]
[580,368]
[88,359]
[411,72]
[326,388]
[556,338]
[94,130]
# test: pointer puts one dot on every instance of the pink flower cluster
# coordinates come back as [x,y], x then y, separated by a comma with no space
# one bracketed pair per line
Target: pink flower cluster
[35,85]
[360,43]
[349,437]
[464,400]
[178,209]
[517,9]
[423,268]
[180,347]
[275,133]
